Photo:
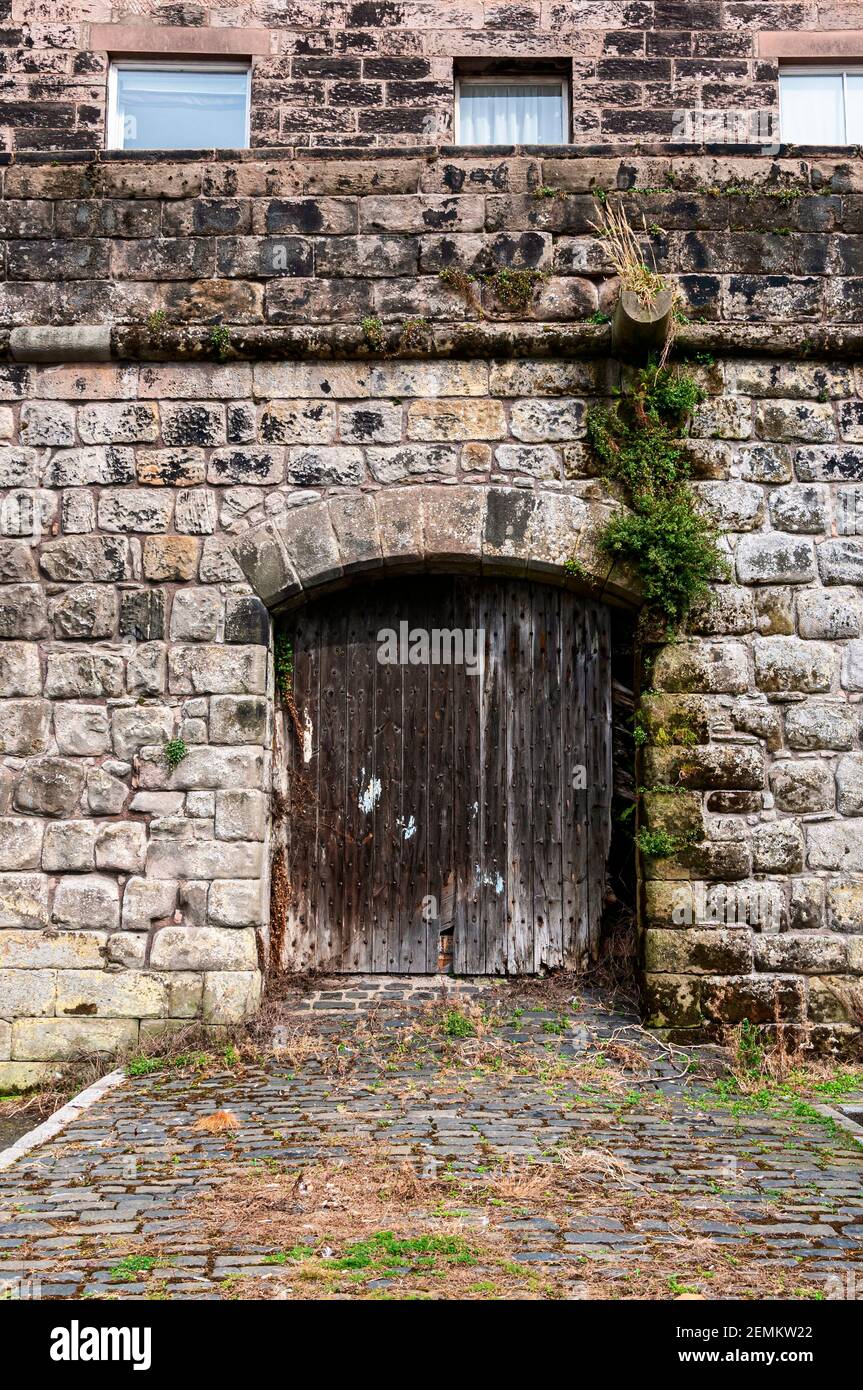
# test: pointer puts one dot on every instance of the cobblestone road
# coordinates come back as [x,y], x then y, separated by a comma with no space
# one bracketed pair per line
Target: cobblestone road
[658,1187]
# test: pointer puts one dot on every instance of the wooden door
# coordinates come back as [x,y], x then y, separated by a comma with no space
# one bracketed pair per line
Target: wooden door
[433,797]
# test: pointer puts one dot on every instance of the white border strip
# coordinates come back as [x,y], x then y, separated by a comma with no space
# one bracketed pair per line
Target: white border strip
[60,1119]
[843,1122]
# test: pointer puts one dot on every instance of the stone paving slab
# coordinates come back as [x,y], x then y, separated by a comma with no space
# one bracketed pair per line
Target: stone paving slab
[129,1174]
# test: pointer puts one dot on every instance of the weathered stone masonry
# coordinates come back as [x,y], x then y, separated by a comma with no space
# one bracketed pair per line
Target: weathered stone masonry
[378,72]
[180,496]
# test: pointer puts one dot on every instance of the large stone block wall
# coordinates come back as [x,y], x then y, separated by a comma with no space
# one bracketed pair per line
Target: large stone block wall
[372,72]
[288,241]
[131,894]
[155,505]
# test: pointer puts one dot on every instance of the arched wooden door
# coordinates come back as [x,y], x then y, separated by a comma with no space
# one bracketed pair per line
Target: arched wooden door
[434,799]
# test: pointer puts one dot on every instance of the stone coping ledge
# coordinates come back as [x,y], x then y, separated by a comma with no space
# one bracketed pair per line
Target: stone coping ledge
[264,153]
[102,343]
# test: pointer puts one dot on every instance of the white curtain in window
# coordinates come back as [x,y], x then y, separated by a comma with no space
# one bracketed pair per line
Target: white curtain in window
[812,109]
[854,108]
[510,113]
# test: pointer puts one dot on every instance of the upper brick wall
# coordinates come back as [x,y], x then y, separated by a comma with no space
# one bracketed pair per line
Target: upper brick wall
[368,72]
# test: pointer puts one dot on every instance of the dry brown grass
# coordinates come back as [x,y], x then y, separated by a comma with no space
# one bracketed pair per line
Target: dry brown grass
[37,1105]
[849,993]
[310,1220]
[759,1056]
[220,1122]
[626,254]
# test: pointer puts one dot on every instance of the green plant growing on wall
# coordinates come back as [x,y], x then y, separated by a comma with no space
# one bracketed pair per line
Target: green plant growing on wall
[220,340]
[284,663]
[677,736]
[415,335]
[464,283]
[661,844]
[663,537]
[515,289]
[174,751]
[575,568]
[157,324]
[373,332]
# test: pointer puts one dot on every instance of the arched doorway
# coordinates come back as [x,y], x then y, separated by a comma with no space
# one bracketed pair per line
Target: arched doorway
[448,777]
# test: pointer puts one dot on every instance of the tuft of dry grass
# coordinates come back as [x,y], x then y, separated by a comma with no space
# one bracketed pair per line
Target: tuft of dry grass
[220,1122]
[583,1166]
[625,254]
[37,1104]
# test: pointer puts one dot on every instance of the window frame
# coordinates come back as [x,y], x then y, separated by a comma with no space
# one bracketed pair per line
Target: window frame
[843,70]
[114,125]
[520,79]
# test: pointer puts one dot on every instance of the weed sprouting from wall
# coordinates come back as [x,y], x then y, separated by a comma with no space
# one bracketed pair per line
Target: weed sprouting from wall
[515,289]
[660,844]
[373,332]
[174,752]
[220,341]
[663,536]
[463,282]
[284,664]
[625,253]
[416,335]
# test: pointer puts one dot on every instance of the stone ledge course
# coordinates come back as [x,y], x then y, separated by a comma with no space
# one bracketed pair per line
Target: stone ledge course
[280,240]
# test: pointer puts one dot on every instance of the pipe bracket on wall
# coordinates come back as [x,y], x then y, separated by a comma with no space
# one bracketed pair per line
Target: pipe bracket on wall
[80,342]
[638,329]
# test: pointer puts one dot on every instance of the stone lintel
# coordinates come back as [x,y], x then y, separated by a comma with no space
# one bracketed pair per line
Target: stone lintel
[177,40]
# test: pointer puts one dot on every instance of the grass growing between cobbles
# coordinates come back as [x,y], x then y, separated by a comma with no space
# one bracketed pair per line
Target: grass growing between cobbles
[509,1145]
[460,1238]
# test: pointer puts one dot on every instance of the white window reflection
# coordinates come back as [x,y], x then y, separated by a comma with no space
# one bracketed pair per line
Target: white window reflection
[178,106]
[821,105]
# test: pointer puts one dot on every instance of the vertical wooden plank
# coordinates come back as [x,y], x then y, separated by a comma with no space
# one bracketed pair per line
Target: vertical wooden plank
[304,788]
[414,817]
[547,777]
[441,772]
[600,772]
[288,830]
[468,950]
[331,785]
[382,792]
[491,869]
[573,761]
[398,941]
[360,769]
[520,942]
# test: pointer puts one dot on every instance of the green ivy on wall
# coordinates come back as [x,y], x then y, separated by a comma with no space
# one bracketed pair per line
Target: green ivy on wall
[663,536]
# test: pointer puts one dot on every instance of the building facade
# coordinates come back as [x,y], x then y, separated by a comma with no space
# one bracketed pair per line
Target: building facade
[353,352]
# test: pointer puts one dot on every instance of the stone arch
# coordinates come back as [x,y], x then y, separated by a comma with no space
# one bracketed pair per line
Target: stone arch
[463,529]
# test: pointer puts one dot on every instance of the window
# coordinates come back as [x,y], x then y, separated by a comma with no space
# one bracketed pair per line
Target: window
[178,106]
[512,111]
[822,105]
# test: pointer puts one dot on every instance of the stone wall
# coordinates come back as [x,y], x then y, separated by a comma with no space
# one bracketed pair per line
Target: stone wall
[130,893]
[372,72]
[148,243]
[156,504]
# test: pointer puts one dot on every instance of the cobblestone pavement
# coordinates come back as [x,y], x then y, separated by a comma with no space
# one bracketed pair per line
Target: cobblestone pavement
[659,1183]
